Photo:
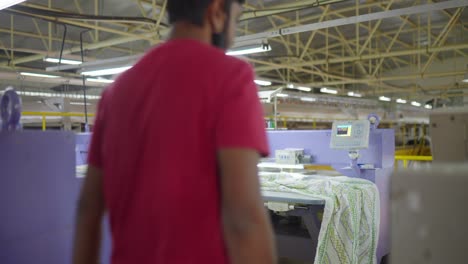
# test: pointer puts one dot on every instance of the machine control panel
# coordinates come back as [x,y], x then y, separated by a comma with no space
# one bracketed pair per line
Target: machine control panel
[350,135]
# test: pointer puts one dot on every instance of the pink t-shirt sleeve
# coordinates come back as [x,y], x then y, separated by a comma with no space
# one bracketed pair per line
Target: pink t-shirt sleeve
[240,122]
[95,150]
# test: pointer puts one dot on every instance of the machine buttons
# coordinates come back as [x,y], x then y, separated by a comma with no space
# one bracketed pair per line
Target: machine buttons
[350,134]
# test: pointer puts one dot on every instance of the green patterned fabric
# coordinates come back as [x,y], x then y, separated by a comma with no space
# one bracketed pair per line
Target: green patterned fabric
[350,224]
[81,171]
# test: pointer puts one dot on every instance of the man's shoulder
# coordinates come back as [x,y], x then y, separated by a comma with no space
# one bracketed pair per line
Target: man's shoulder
[193,53]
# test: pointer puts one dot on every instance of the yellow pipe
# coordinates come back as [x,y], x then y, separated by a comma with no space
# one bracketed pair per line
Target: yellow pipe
[405,164]
[43,123]
[55,114]
[406,159]
[414,158]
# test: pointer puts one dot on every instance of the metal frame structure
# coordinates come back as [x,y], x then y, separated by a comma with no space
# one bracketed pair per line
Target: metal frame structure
[391,47]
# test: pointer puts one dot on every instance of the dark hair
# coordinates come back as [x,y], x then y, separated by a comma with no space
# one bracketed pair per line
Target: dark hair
[191,11]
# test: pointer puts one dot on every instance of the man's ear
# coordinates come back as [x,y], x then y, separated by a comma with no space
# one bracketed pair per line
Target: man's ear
[216,16]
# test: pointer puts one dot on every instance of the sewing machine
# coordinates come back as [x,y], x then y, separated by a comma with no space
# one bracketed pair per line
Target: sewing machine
[352,148]
[39,188]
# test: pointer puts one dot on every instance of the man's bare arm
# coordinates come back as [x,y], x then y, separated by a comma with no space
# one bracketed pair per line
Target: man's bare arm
[247,228]
[88,219]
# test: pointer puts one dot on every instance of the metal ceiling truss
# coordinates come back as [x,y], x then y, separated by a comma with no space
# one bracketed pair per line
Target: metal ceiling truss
[342,58]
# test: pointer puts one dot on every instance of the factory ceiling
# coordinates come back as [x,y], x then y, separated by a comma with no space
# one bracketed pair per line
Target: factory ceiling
[418,51]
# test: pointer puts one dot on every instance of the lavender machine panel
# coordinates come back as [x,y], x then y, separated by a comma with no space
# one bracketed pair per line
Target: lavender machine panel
[38,196]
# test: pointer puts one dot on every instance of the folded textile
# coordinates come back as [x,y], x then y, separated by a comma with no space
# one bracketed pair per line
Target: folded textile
[81,171]
[350,225]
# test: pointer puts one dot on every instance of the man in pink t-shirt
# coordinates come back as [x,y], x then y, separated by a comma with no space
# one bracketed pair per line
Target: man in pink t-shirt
[174,152]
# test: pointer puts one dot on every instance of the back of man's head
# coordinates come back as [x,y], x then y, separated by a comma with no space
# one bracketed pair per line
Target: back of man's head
[192,11]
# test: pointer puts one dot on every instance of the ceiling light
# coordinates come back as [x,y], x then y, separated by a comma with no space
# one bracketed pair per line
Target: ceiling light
[104,72]
[290,86]
[304,89]
[401,101]
[465,79]
[282,95]
[99,80]
[38,75]
[353,94]
[385,99]
[428,106]
[79,103]
[265,94]
[415,104]
[308,99]
[262,83]
[249,50]
[63,61]
[328,91]
[65,95]
[7,3]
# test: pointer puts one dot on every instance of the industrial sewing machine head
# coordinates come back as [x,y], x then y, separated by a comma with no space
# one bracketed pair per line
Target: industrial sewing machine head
[353,136]
[352,148]
[10,109]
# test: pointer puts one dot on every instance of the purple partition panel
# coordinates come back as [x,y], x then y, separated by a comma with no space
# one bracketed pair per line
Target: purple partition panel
[38,195]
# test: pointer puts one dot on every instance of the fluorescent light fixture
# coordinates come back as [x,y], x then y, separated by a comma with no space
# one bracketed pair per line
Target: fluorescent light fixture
[304,89]
[328,91]
[465,79]
[262,83]
[401,101]
[249,50]
[415,104]
[308,99]
[38,75]
[265,94]
[79,103]
[65,95]
[353,94]
[428,106]
[99,80]
[63,61]
[290,86]
[7,3]
[104,72]
[385,99]
[282,95]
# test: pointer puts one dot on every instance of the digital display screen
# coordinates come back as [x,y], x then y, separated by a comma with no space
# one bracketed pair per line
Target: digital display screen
[343,131]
